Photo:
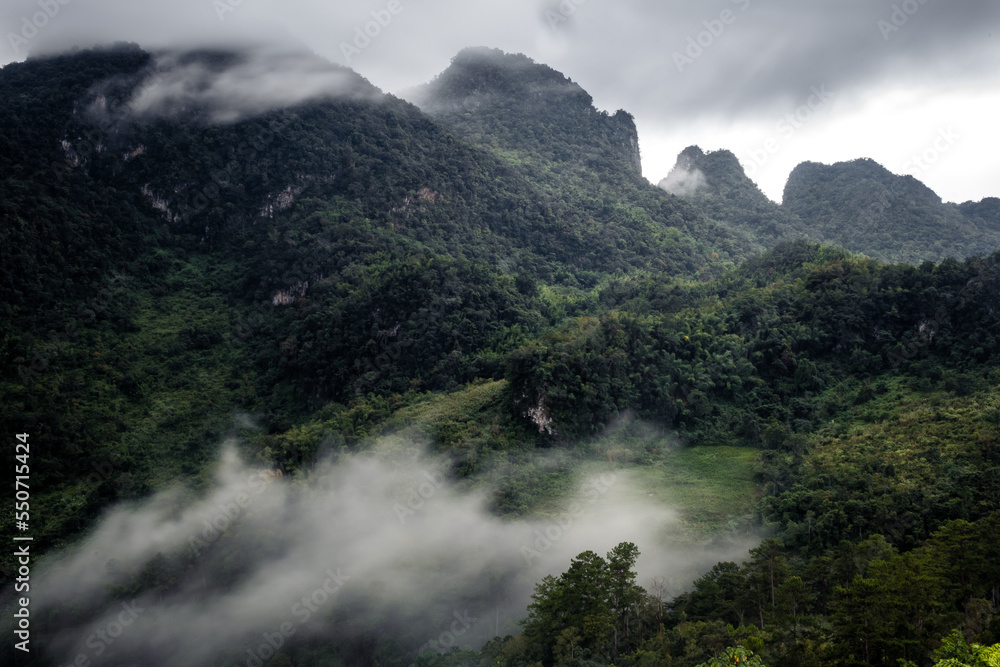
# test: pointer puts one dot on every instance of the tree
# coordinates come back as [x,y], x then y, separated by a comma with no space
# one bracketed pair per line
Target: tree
[763,574]
[956,652]
[860,620]
[716,595]
[970,556]
[793,600]
[590,607]
[734,655]
[625,596]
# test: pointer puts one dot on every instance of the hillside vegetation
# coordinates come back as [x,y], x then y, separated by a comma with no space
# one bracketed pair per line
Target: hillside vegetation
[857,205]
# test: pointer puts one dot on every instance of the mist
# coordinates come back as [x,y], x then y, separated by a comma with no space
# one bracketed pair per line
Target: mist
[683,182]
[227,86]
[380,542]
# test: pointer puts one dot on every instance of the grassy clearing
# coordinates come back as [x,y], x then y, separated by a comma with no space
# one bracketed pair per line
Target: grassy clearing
[712,488]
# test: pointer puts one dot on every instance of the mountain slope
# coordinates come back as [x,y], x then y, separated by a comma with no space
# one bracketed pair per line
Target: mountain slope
[545,126]
[496,99]
[859,206]
[863,207]
[716,183]
[287,256]
[985,214]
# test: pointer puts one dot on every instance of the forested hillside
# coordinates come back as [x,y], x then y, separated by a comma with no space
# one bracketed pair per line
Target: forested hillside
[716,183]
[546,127]
[859,206]
[486,273]
[277,263]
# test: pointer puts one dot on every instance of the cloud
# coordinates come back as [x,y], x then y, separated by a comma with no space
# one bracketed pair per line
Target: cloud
[772,48]
[228,87]
[768,55]
[379,542]
[623,52]
[182,24]
[683,182]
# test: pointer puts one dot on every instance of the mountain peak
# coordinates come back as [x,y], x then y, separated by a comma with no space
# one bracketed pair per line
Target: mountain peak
[863,207]
[689,158]
[695,169]
[853,173]
[508,100]
[480,75]
[484,56]
[717,183]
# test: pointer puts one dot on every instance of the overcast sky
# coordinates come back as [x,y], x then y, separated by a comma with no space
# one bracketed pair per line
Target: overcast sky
[892,81]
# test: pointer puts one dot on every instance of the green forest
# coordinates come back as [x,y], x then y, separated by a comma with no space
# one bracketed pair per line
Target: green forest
[487,271]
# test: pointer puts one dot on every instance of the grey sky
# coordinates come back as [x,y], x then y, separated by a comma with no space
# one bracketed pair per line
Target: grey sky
[721,73]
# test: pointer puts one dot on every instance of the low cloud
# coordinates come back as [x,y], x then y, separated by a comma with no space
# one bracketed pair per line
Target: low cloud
[683,182]
[380,543]
[231,85]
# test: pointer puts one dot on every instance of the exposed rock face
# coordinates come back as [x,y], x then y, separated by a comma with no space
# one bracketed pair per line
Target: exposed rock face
[624,130]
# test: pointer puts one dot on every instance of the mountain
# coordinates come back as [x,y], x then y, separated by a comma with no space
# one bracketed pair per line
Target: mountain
[985,214]
[163,241]
[861,206]
[545,126]
[716,183]
[511,102]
